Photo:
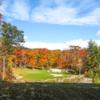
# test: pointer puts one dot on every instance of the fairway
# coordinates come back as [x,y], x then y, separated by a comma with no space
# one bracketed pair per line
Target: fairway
[36,75]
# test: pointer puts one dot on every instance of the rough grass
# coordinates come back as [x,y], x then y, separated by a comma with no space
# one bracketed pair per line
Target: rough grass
[49,91]
[97,79]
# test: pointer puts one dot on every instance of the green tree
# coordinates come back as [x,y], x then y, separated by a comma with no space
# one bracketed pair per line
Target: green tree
[10,37]
[93,58]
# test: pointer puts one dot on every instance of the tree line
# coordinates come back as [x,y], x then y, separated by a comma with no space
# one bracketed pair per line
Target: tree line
[44,59]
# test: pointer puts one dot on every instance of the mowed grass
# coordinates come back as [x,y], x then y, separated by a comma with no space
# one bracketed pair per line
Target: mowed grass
[35,74]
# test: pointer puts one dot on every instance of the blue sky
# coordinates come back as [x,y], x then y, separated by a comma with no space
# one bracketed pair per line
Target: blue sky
[55,24]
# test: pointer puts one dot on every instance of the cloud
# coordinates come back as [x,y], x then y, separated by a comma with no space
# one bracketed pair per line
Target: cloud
[15,9]
[58,15]
[65,12]
[20,10]
[50,46]
[80,42]
[61,46]
[3,7]
[98,32]
[98,42]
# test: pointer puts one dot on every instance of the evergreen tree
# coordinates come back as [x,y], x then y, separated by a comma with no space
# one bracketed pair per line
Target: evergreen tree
[93,58]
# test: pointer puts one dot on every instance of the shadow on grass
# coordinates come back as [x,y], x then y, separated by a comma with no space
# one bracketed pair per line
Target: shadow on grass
[49,91]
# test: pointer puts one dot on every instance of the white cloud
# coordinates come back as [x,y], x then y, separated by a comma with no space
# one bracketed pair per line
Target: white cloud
[61,46]
[63,12]
[17,9]
[50,46]
[3,7]
[98,42]
[20,10]
[58,15]
[98,32]
[66,14]
[80,42]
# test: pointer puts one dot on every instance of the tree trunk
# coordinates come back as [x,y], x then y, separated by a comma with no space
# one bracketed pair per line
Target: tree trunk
[93,77]
[4,66]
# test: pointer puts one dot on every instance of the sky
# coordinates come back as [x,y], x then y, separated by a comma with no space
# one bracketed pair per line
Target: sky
[54,24]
